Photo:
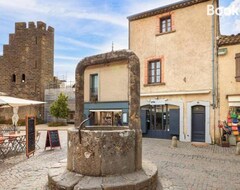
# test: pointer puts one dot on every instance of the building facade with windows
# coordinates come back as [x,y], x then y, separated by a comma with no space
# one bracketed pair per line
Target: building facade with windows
[106,93]
[26,66]
[181,88]
[229,75]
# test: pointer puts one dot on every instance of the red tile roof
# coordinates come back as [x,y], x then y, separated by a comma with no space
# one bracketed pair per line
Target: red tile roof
[229,40]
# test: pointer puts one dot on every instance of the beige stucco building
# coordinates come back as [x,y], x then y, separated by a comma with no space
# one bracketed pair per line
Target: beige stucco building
[182,86]
[106,93]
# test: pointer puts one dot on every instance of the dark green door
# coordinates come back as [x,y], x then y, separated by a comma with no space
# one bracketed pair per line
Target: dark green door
[198,123]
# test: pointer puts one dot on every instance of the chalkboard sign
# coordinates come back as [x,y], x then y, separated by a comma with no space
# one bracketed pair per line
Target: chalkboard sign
[52,139]
[30,135]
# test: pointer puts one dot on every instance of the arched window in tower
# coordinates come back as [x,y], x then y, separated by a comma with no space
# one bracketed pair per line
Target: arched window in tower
[13,78]
[23,77]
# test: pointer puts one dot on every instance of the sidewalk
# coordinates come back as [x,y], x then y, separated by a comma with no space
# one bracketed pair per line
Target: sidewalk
[45,127]
[186,167]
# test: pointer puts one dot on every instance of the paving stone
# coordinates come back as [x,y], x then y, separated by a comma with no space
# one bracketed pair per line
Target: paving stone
[210,167]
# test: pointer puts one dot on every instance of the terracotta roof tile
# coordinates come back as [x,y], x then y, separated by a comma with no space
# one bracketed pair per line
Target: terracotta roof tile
[229,40]
[167,8]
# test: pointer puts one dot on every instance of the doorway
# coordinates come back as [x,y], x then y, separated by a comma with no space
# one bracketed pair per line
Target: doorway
[198,123]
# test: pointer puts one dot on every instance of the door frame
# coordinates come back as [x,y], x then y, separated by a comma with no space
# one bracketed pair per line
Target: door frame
[207,119]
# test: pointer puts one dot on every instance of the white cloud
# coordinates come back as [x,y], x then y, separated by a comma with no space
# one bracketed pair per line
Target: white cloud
[58,10]
[67,58]
[76,42]
[231,24]
[237,26]
[136,6]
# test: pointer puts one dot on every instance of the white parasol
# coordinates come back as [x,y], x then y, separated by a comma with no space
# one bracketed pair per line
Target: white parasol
[8,101]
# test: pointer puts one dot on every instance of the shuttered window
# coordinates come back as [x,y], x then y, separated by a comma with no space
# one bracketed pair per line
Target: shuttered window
[237,67]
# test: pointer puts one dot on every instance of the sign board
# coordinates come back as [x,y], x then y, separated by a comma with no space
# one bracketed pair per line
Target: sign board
[222,51]
[52,139]
[158,102]
[30,135]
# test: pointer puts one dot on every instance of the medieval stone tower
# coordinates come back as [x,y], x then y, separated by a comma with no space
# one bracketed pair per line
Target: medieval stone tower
[26,66]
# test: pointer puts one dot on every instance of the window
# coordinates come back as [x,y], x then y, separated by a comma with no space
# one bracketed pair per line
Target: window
[23,77]
[154,72]
[94,87]
[237,67]
[165,24]
[13,78]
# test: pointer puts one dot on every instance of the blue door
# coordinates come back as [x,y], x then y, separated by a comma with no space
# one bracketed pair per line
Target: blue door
[198,123]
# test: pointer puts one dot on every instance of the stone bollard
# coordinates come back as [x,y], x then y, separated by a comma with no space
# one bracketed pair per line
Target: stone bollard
[174,141]
[238,149]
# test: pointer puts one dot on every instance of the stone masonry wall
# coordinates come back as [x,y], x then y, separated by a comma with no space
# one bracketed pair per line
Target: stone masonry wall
[30,53]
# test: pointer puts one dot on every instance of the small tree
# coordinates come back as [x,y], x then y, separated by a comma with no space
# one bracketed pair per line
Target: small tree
[59,108]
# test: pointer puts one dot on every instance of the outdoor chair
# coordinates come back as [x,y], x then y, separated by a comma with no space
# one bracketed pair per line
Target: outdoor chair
[12,141]
[4,147]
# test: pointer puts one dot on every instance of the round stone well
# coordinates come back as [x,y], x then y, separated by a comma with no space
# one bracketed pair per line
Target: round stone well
[103,151]
[102,158]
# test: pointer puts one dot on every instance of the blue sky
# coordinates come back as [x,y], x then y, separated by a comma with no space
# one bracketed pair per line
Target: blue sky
[86,27]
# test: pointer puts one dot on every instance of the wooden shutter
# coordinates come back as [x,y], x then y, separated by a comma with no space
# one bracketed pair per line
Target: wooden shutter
[237,67]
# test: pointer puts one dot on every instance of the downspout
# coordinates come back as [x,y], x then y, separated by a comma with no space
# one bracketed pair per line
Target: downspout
[213,72]
[213,57]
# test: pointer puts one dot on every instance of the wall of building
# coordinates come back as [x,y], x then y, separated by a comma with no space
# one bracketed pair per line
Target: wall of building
[186,53]
[30,52]
[227,81]
[51,95]
[113,81]
[186,56]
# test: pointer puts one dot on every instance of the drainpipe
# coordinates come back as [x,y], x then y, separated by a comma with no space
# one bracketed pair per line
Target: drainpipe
[213,58]
[213,73]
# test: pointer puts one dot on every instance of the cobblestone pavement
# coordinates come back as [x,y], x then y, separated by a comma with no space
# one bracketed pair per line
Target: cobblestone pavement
[185,167]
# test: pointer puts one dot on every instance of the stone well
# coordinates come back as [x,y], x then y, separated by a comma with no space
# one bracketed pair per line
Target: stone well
[106,158]
[103,151]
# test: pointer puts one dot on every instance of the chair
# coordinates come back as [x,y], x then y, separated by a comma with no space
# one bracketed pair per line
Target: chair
[37,140]
[4,147]
[12,141]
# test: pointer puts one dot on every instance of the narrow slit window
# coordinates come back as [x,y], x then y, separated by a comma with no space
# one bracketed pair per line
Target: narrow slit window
[23,78]
[13,78]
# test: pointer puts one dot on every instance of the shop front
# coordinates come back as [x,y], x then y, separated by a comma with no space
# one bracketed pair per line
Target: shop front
[107,113]
[162,119]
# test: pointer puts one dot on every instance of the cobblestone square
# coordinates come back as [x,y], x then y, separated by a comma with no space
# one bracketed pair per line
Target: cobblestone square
[185,167]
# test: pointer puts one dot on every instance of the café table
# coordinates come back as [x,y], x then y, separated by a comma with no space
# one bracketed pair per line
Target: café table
[17,141]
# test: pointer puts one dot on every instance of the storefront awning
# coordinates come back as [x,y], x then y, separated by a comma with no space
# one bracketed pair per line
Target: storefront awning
[105,110]
[233,100]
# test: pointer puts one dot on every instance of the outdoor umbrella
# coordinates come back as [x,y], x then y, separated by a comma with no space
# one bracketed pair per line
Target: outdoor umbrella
[8,101]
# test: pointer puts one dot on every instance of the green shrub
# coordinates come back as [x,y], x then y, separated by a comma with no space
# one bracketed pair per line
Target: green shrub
[55,124]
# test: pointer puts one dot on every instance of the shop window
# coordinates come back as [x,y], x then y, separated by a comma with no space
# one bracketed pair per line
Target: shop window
[165,24]
[94,88]
[154,72]
[237,67]
[23,77]
[157,117]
